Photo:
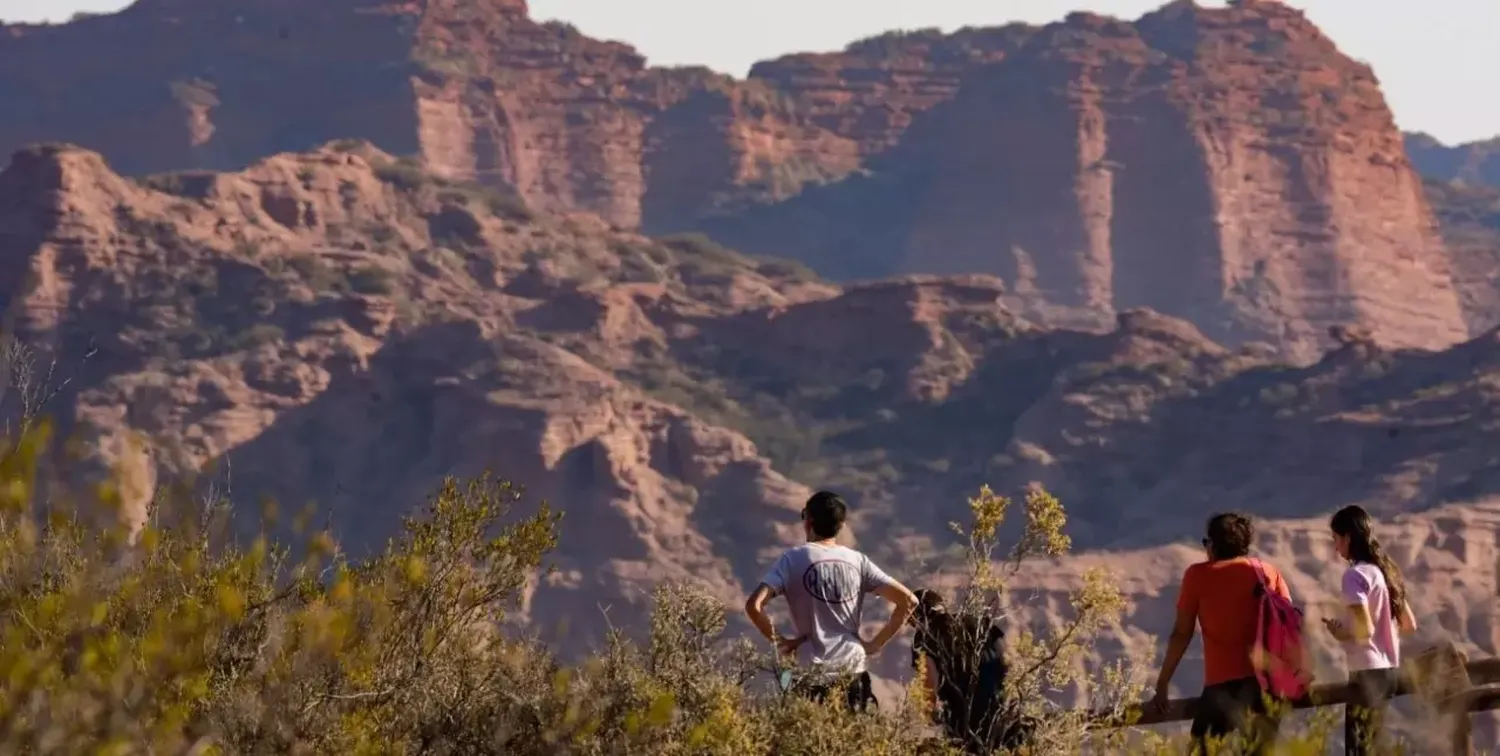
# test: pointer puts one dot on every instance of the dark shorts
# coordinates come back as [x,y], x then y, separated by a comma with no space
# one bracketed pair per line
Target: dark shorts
[1235,711]
[859,691]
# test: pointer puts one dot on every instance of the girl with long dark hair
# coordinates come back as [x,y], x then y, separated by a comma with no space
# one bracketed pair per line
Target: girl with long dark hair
[1376,614]
[963,660]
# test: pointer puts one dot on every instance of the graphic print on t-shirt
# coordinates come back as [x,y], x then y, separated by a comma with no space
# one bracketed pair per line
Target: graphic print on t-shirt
[825,587]
[832,581]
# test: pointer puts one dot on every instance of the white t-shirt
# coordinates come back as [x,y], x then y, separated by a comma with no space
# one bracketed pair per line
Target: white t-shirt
[825,587]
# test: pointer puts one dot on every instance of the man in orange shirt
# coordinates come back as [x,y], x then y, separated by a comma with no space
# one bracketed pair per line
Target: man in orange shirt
[1218,595]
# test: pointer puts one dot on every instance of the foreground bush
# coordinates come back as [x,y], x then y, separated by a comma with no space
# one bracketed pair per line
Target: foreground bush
[171,640]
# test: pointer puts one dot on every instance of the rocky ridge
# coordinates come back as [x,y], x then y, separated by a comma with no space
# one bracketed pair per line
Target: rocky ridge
[479,91]
[1219,164]
[346,329]
[1472,163]
[870,91]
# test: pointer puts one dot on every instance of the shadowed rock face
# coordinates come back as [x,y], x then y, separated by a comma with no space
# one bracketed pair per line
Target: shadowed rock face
[1229,165]
[1469,216]
[339,327]
[1472,163]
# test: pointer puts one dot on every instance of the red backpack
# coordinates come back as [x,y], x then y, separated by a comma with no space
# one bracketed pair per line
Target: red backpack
[1280,657]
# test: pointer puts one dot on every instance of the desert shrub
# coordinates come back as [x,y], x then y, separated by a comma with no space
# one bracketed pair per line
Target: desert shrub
[164,641]
[702,255]
[172,640]
[1279,395]
[318,275]
[186,184]
[372,280]
[894,42]
[787,269]
[503,204]
[176,640]
[404,173]
[254,336]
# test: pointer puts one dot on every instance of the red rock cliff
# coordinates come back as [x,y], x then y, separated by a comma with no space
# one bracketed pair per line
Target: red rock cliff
[1229,166]
[476,88]
[479,90]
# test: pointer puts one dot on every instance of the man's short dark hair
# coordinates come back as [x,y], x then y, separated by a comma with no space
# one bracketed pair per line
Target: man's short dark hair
[825,512]
[1230,535]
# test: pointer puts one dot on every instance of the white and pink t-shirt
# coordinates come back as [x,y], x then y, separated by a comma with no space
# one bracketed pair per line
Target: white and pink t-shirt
[1364,584]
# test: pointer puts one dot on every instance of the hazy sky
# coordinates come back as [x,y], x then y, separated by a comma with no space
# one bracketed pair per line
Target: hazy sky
[1436,58]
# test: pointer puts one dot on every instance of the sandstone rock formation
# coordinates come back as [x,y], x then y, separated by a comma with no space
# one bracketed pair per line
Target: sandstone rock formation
[477,89]
[340,327]
[1224,165]
[345,330]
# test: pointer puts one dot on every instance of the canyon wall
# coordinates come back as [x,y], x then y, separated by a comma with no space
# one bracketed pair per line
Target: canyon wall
[1230,165]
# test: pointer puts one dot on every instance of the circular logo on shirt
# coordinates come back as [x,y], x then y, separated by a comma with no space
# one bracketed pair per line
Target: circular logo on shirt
[832,581]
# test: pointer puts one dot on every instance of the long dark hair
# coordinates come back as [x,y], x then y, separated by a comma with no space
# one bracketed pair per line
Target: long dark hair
[931,615]
[958,642]
[1355,523]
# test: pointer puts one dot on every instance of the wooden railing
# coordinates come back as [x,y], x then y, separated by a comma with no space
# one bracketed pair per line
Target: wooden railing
[1456,686]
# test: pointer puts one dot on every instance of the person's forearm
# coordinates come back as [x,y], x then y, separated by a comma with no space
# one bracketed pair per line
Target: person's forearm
[1408,622]
[762,622]
[1177,647]
[897,621]
[1361,626]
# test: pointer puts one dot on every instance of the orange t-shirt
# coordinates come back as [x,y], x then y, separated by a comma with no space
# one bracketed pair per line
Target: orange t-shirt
[1221,596]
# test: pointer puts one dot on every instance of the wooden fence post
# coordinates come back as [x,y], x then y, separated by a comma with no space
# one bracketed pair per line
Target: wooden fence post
[1462,740]
[1463,721]
[1442,674]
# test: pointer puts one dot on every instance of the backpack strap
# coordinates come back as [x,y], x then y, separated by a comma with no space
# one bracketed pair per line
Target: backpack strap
[1260,573]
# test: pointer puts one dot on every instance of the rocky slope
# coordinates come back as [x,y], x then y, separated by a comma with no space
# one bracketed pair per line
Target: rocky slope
[340,327]
[1229,166]
[344,329]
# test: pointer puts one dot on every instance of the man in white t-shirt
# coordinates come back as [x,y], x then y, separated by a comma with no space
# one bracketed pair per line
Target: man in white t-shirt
[825,586]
